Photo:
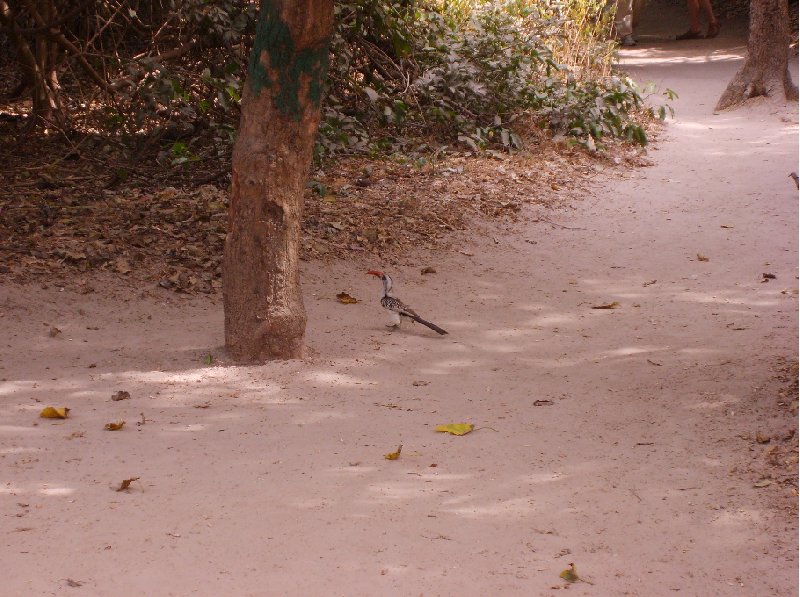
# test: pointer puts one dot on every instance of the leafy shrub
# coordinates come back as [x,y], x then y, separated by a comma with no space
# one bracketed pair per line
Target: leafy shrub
[403,72]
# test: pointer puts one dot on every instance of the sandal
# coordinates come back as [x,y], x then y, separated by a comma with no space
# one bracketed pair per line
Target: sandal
[713,30]
[689,35]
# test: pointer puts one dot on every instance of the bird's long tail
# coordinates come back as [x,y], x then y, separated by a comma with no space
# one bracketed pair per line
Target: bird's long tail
[433,326]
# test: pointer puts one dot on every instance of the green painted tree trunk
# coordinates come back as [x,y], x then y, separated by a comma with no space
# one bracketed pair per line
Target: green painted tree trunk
[264,313]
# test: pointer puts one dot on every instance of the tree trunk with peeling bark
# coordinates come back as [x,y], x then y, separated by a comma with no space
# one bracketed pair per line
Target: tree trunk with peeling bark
[766,68]
[264,313]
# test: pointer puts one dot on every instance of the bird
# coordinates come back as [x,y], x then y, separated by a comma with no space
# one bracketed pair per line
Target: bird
[398,308]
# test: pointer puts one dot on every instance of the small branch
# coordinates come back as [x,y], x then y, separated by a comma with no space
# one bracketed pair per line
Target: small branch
[56,35]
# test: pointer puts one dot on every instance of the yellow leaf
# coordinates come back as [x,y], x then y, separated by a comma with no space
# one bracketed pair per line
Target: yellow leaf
[115,426]
[51,412]
[456,428]
[701,257]
[346,299]
[569,574]
[394,455]
[613,305]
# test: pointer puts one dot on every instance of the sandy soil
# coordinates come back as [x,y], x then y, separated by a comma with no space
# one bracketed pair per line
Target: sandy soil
[622,440]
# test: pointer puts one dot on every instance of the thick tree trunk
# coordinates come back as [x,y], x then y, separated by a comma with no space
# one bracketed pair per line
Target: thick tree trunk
[264,313]
[766,69]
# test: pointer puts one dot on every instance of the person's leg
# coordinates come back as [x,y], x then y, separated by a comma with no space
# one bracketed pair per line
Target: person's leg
[694,14]
[694,32]
[708,10]
[713,23]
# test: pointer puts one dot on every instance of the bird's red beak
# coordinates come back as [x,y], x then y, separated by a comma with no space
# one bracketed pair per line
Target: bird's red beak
[374,272]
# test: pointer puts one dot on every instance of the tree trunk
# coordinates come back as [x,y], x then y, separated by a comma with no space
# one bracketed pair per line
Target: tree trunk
[766,68]
[264,313]
[38,60]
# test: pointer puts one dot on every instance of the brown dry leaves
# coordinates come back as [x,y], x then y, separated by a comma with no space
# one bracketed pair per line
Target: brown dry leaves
[174,238]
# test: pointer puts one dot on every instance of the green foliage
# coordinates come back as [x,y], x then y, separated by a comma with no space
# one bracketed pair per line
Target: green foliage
[402,73]
[465,70]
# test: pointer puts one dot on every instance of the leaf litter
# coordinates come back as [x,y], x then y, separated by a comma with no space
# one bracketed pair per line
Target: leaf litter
[145,232]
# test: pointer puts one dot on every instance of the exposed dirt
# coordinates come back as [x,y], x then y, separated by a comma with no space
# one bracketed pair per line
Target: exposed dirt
[59,222]
[653,444]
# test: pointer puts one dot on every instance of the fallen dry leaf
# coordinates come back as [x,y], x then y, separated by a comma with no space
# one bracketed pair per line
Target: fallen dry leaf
[394,455]
[762,483]
[51,412]
[74,583]
[726,226]
[542,402]
[650,283]
[456,428]
[569,574]
[428,270]
[701,257]
[768,276]
[114,426]
[122,266]
[121,395]
[613,305]
[54,331]
[346,299]
[126,483]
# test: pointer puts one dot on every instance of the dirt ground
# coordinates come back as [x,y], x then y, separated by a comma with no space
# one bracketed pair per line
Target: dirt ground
[653,444]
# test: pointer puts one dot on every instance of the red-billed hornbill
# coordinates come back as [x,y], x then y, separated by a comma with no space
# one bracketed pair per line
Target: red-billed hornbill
[398,308]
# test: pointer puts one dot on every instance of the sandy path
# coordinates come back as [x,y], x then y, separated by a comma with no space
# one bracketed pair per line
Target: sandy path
[271,480]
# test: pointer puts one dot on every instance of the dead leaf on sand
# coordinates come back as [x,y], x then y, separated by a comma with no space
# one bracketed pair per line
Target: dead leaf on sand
[542,402]
[114,426]
[613,305]
[428,270]
[121,395]
[74,583]
[762,483]
[570,575]
[701,257]
[650,283]
[51,412]
[346,299]
[126,484]
[456,428]
[394,455]
[54,331]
